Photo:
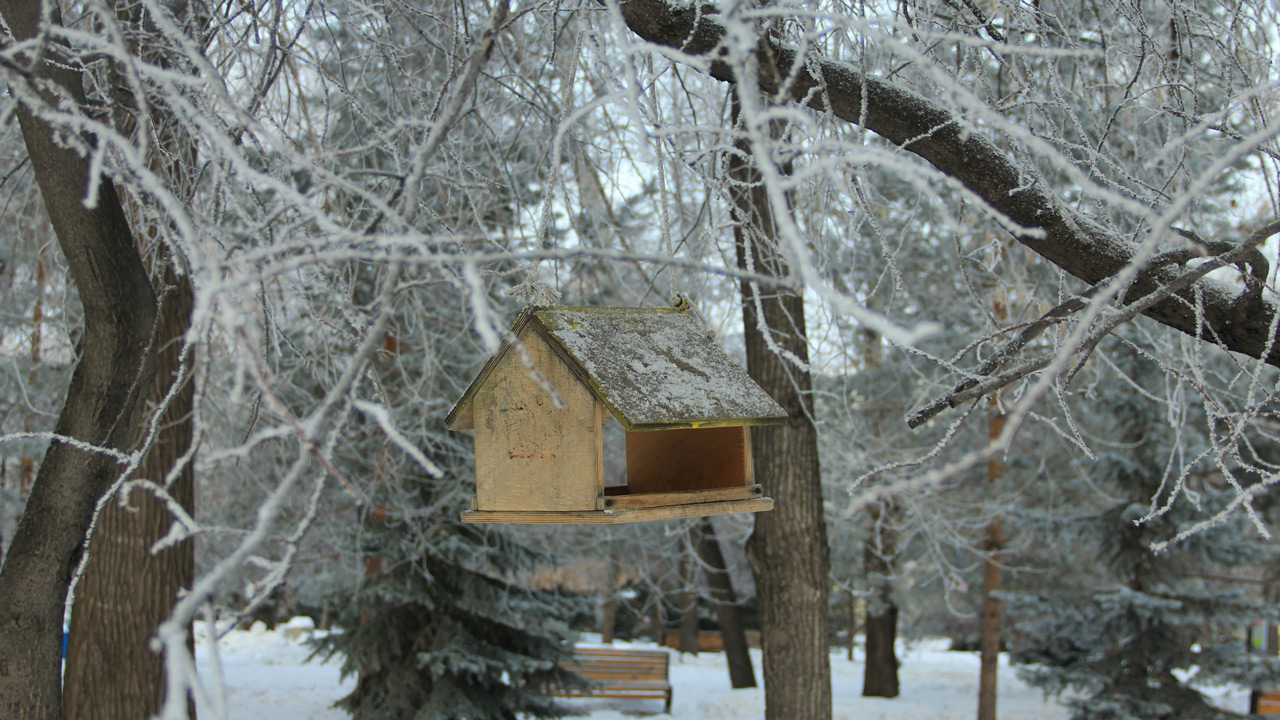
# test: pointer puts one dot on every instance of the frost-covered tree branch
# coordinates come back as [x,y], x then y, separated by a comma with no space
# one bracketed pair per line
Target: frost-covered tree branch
[982,382]
[1016,194]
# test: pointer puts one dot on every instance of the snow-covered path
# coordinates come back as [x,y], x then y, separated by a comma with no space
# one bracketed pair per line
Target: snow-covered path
[268,678]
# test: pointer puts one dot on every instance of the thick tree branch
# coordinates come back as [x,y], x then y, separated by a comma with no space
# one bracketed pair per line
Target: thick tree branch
[1035,215]
[983,381]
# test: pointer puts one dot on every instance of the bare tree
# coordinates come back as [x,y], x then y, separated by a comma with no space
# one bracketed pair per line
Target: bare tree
[355,157]
[1033,214]
[788,548]
[98,419]
[132,578]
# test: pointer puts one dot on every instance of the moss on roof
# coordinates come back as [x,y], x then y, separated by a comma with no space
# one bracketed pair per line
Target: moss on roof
[654,368]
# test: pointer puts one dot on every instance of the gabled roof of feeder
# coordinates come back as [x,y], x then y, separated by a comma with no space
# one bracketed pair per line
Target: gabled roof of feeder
[654,368]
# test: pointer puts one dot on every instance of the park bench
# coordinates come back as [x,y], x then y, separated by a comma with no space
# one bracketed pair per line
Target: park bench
[1265,702]
[622,674]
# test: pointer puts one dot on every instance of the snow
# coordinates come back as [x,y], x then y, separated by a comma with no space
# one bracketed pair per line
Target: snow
[267,675]
[935,684]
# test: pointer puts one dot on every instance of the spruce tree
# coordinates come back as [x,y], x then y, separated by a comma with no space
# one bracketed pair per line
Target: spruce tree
[439,628]
[432,637]
[1137,631]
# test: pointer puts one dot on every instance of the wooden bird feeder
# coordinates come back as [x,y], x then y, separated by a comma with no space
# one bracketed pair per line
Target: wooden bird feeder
[685,406]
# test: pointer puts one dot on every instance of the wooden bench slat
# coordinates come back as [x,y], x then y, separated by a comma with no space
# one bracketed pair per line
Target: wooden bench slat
[620,674]
[646,672]
[1265,702]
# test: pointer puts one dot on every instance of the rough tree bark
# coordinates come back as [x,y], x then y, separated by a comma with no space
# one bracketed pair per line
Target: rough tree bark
[126,592]
[1071,240]
[880,674]
[728,617]
[103,399]
[788,550]
[111,672]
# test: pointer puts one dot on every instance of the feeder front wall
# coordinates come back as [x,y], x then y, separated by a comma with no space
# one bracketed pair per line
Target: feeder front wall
[530,454]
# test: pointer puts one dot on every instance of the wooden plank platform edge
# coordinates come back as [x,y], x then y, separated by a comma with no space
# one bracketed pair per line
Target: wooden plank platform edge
[616,516]
[683,497]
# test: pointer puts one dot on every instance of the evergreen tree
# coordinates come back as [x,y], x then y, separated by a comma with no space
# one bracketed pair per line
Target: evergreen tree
[1135,638]
[434,638]
[439,629]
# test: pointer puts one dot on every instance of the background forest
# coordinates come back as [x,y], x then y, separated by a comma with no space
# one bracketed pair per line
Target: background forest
[1008,266]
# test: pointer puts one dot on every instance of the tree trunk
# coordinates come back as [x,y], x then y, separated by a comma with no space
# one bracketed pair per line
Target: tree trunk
[880,674]
[126,592]
[656,619]
[609,604]
[688,607]
[103,400]
[990,622]
[788,549]
[854,624]
[732,631]
[989,634]
[608,618]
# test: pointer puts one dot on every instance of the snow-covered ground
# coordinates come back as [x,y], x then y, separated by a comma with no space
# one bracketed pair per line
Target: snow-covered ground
[935,683]
[267,677]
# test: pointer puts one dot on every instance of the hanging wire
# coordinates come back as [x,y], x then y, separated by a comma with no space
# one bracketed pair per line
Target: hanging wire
[532,290]
[664,217]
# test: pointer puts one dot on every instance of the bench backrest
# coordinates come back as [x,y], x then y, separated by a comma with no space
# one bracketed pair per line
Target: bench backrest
[606,663]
